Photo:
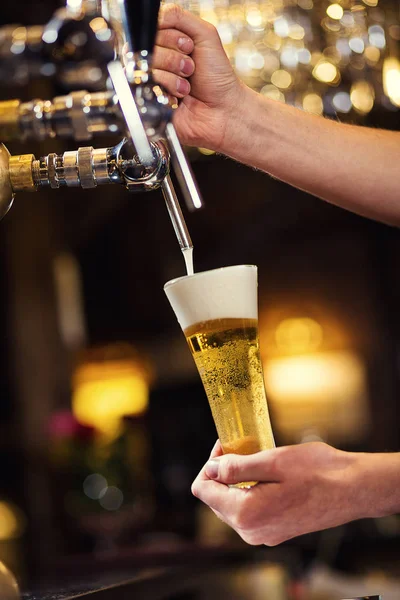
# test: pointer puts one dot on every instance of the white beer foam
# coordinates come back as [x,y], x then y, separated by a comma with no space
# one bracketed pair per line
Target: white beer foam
[227,293]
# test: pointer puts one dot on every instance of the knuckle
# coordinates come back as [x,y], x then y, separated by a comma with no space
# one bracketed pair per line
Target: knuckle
[272,540]
[169,38]
[278,461]
[160,77]
[174,11]
[251,537]
[170,62]
[213,32]
[211,28]
[229,469]
[195,489]
[242,519]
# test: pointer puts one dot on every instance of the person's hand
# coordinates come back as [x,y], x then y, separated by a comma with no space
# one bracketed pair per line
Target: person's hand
[302,489]
[211,100]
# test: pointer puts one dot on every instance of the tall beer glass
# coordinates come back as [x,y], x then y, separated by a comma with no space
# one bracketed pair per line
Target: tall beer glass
[217,311]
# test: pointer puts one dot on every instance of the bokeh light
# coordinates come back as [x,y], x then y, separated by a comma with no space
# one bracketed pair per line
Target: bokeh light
[304,48]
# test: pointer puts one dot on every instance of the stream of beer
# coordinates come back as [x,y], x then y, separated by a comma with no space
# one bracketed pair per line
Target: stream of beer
[188,256]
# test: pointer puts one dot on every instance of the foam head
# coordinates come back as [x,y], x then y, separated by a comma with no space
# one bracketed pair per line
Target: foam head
[227,293]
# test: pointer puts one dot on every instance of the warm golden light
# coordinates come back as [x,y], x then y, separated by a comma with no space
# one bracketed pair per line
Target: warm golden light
[391,79]
[335,11]
[362,97]
[105,391]
[372,54]
[282,79]
[210,16]
[296,32]
[206,151]
[254,17]
[12,522]
[326,72]
[276,43]
[324,391]
[9,587]
[98,23]
[315,377]
[271,91]
[296,336]
[313,103]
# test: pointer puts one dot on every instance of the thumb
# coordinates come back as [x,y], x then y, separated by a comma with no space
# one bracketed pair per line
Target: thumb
[234,468]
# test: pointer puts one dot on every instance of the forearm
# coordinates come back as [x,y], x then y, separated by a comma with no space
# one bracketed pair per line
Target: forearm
[356,168]
[377,484]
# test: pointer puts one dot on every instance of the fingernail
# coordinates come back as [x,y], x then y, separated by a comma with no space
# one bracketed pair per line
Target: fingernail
[212,468]
[186,67]
[183,86]
[185,44]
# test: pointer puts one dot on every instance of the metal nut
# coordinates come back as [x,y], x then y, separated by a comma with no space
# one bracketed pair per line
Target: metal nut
[52,171]
[85,168]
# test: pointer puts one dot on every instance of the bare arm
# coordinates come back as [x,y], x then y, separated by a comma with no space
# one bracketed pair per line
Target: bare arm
[356,168]
[353,167]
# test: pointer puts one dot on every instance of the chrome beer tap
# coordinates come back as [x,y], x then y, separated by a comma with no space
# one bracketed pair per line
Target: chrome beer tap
[139,20]
[137,109]
[86,167]
[146,108]
[79,115]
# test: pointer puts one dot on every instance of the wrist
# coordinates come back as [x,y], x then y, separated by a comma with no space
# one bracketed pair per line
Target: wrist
[377,483]
[243,122]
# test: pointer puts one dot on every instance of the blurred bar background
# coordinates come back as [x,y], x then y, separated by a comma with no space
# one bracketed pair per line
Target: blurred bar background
[103,419]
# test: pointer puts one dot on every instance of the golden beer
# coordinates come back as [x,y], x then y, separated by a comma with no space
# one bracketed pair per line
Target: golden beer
[226,352]
[227,356]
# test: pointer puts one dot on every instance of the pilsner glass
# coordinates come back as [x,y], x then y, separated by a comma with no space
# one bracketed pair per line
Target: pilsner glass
[217,311]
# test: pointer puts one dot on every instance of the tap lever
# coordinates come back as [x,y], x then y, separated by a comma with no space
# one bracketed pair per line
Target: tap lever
[130,112]
[183,170]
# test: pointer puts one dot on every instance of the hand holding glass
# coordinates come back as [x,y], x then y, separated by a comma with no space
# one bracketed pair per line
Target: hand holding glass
[217,311]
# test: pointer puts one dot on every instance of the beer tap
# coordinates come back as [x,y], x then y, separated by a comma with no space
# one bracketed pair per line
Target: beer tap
[146,108]
[139,19]
[79,115]
[86,167]
[137,109]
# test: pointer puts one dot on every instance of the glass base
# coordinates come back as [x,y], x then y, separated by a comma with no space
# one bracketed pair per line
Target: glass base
[244,485]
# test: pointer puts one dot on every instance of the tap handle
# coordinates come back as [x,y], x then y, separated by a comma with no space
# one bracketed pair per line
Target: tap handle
[141,23]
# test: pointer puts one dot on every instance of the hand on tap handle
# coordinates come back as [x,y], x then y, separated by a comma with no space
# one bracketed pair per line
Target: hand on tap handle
[221,113]
[190,63]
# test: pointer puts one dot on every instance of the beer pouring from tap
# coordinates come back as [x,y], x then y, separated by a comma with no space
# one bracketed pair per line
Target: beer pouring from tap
[141,18]
[147,110]
[137,108]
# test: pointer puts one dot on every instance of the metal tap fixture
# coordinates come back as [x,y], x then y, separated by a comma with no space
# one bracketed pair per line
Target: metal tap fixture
[146,108]
[138,109]
[79,115]
[139,21]
[86,167]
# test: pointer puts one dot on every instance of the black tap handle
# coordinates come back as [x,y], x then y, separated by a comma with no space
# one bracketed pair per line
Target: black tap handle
[141,22]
